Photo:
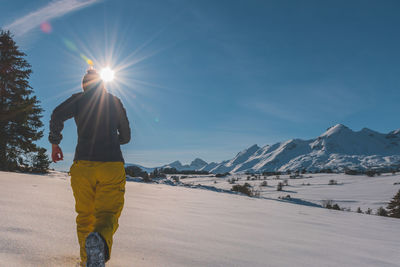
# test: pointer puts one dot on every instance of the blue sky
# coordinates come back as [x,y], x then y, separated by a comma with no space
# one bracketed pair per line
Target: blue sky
[210,78]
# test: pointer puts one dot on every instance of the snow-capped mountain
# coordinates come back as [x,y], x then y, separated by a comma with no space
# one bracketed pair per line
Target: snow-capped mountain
[196,164]
[338,148]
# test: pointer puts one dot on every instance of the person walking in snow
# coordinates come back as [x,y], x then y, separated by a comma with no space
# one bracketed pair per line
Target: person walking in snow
[97,173]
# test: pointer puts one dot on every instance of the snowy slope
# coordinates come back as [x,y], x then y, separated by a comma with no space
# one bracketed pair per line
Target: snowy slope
[351,191]
[174,226]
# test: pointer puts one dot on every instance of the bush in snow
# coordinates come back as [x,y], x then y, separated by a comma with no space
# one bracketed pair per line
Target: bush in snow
[370,173]
[135,171]
[157,173]
[175,179]
[264,183]
[351,172]
[394,206]
[327,170]
[381,212]
[332,182]
[368,211]
[329,205]
[279,186]
[245,189]
[359,210]
[285,182]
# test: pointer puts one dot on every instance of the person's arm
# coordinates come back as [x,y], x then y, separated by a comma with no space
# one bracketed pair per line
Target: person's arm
[61,113]
[124,131]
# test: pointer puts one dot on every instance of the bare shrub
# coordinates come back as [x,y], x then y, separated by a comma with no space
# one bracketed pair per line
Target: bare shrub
[332,182]
[279,186]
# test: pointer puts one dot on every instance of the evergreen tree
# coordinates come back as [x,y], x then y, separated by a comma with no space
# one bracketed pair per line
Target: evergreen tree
[381,212]
[40,161]
[368,211]
[20,112]
[394,206]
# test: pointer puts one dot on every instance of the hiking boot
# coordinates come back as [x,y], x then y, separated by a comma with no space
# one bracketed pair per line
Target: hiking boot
[95,250]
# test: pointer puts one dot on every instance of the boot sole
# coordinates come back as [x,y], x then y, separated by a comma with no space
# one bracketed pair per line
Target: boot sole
[95,251]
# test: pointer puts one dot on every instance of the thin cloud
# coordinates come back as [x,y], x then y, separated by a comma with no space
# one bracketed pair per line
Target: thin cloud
[52,10]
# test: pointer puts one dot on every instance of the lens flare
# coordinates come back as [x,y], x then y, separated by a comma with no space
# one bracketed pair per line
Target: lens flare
[88,61]
[45,27]
[70,45]
[107,74]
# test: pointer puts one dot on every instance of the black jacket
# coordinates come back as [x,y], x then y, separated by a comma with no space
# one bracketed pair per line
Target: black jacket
[101,122]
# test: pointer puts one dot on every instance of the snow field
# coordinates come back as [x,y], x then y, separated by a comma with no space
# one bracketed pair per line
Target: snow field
[351,191]
[165,225]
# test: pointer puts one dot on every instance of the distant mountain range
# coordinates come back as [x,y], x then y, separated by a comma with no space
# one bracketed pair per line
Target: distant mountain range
[338,148]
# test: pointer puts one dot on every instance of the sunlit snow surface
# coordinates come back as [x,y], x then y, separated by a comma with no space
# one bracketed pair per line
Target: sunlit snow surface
[165,225]
[351,191]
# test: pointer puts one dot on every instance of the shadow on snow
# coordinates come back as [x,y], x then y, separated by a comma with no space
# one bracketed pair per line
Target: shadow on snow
[165,181]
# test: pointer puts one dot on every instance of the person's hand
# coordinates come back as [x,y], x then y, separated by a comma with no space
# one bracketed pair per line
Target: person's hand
[56,153]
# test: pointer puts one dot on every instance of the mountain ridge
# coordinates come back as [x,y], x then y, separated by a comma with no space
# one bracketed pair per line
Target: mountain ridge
[338,148]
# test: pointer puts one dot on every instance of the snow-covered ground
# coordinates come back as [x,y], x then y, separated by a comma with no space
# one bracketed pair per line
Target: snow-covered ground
[351,191]
[165,225]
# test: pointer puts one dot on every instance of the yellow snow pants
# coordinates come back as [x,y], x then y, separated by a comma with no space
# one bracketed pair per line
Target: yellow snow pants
[99,189]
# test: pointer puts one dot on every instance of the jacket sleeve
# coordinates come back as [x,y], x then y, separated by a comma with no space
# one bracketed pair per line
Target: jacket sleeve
[61,113]
[124,131]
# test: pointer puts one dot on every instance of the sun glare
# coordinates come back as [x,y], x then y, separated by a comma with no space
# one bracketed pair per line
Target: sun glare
[117,63]
[107,74]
